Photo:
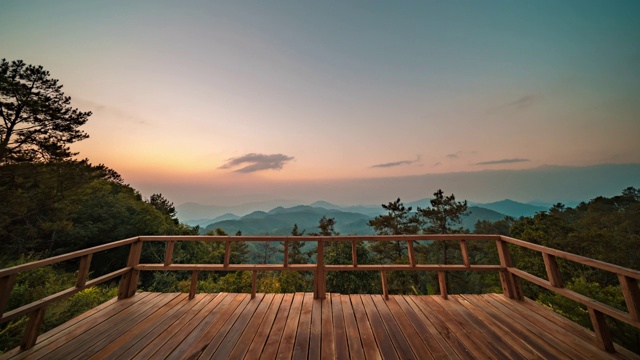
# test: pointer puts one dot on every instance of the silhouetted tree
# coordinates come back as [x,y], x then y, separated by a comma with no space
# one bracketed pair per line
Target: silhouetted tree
[399,220]
[165,207]
[444,216]
[38,123]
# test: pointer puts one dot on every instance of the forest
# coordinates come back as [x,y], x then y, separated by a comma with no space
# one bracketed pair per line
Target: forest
[53,203]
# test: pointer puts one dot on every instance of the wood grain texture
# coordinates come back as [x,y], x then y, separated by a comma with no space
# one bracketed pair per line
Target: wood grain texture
[294,326]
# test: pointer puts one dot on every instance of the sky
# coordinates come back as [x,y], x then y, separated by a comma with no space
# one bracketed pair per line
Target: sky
[228,101]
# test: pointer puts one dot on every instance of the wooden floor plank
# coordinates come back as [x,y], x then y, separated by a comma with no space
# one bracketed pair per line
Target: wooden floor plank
[501,333]
[301,347]
[251,328]
[339,331]
[273,342]
[167,326]
[439,349]
[328,350]
[533,341]
[460,332]
[116,347]
[193,345]
[555,347]
[399,341]
[257,344]
[96,343]
[408,331]
[575,329]
[441,325]
[227,335]
[578,345]
[51,340]
[385,344]
[315,336]
[369,345]
[166,342]
[351,328]
[483,335]
[287,342]
[81,339]
[293,326]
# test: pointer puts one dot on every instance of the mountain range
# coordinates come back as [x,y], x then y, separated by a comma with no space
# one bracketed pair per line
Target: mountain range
[350,220]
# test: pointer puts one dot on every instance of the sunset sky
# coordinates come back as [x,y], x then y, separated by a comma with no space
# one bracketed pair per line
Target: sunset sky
[228,100]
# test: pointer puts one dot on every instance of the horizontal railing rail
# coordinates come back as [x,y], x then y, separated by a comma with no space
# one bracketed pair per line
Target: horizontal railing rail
[510,275]
[36,309]
[628,279]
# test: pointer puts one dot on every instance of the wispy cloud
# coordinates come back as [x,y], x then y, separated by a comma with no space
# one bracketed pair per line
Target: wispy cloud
[503,161]
[112,111]
[524,102]
[452,156]
[397,163]
[257,162]
[521,103]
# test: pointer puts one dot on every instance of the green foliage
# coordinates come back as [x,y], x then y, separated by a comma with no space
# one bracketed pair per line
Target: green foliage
[296,253]
[349,282]
[39,283]
[38,123]
[607,229]
[398,221]
[445,213]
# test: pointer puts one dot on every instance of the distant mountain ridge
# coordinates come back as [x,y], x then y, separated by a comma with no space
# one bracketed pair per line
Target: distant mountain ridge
[503,208]
[513,208]
[280,221]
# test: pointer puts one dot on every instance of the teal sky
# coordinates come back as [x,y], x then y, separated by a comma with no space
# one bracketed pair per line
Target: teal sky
[238,97]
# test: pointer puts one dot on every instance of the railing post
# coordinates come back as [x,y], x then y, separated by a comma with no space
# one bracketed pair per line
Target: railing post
[631,295]
[510,283]
[385,289]
[6,284]
[286,253]
[601,329]
[412,255]
[83,271]
[354,253]
[442,281]
[553,272]
[254,283]
[129,281]
[320,276]
[194,284]
[168,254]
[464,251]
[227,253]
[33,328]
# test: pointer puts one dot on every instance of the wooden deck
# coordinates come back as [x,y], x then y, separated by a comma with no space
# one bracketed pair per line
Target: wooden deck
[295,326]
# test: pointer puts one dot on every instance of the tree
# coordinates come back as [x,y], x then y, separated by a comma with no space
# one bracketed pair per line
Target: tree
[293,281]
[327,226]
[399,220]
[165,207]
[38,123]
[441,218]
[444,213]
[296,255]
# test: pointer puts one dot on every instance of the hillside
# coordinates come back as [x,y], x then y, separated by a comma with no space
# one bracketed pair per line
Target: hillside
[280,221]
[514,208]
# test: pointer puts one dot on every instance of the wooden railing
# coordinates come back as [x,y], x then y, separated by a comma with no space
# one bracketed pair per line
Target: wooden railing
[510,275]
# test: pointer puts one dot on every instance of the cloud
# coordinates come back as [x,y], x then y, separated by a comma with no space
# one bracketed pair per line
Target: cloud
[257,162]
[452,156]
[112,111]
[524,102]
[503,161]
[521,103]
[397,163]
